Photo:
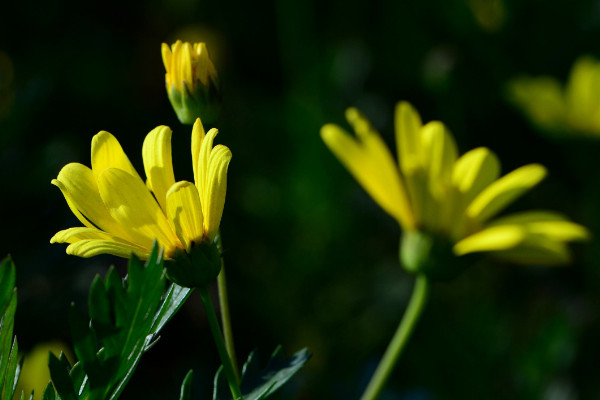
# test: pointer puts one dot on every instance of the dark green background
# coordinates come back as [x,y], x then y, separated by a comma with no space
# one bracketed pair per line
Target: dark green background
[311,259]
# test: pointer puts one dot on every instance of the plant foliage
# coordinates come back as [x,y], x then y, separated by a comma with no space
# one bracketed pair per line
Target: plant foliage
[258,384]
[125,318]
[9,366]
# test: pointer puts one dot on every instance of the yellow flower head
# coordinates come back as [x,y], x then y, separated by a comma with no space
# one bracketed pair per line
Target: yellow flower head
[434,191]
[574,108]
[191,80]
[122,215]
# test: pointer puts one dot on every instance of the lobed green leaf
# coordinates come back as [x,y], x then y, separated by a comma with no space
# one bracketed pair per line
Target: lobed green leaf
[126,316]
[258,384]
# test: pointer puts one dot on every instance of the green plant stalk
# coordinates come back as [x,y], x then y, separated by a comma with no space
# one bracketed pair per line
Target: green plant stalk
[234,384]
[225,316]
[394,350]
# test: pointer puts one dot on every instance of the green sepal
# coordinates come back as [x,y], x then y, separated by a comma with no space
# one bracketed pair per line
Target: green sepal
[432,256]
[203,102]
[186,386]
[196,268]
[257,384]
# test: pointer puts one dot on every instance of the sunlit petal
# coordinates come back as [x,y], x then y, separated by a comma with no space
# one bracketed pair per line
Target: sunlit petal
[203,159]
[491,239]
[73,235]
[93,247]
[158,163]
[107,153]
[377,173]
[505,190]
[185,212]
[77,183]
[131,204]
[197,139]
[217,181]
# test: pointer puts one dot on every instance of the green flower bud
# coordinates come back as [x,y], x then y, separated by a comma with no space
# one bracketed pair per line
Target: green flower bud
[192,82]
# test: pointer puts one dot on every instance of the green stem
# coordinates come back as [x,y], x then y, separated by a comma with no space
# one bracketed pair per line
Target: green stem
[225,316]
[226,319]
[392,354]
[218,336]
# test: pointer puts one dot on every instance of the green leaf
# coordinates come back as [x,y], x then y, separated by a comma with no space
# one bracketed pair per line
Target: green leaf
[59,372]
[126,316]
[186,386]
[257,384]
[48,393]
[9,349]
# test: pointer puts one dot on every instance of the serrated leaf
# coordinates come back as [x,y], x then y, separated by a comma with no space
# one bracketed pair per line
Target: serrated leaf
[186,386]
[172,302]
[258,385]
[48,393]
[59,372]
[126,316]
[9,365]
[7,282]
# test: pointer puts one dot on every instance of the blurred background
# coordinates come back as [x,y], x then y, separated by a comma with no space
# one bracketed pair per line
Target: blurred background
[311,259]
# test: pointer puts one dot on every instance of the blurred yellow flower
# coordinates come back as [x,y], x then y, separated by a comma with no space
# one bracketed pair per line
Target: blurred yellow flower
[574,108]
[191,80]
[35,374]
[122,215]
[434,191]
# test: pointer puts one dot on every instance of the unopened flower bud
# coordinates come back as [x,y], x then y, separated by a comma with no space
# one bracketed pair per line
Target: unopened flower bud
[192,82]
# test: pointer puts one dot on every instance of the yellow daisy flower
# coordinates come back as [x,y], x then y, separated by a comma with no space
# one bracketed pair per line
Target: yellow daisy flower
[561,108]
[122,215]
[191,80]
[433,193]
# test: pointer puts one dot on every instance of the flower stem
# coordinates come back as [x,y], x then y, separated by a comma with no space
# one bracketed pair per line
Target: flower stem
[225,317]
[392,354]
[234,385]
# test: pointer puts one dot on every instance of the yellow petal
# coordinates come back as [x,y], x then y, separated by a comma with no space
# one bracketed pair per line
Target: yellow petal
[77,183]
[131,204]
[440,152]
[216,190]
[197,139]
[491,239]
[93,247]
[582,92]
[185,212]
[542,252]
[166,56]
[373,167]
[73,235]
[545,223]
[107,153]
[158,164]
[505,190]
[203,63]
[474,171]
[541,99]
[203,158]
[185,66]
[408,141]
